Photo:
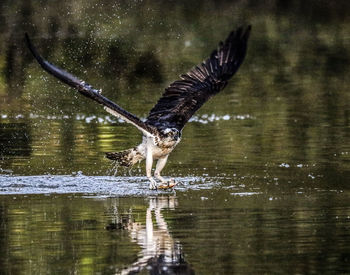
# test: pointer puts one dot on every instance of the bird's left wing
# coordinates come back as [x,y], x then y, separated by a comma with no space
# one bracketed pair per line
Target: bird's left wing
[184,97]
[88,91]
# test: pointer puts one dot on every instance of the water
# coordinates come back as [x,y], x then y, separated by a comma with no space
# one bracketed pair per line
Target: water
[262,169]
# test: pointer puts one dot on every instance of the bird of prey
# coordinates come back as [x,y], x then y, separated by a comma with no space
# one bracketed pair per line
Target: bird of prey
[163,126]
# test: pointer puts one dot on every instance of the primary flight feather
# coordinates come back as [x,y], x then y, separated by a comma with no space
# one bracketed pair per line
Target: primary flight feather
[163,126]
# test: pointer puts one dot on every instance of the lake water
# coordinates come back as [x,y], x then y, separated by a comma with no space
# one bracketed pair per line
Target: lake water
[262,169]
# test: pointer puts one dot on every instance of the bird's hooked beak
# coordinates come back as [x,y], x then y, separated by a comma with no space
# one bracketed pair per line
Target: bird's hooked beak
[173,133]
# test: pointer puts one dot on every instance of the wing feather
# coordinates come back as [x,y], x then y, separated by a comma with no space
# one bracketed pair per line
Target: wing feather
[88,91]
[185,96]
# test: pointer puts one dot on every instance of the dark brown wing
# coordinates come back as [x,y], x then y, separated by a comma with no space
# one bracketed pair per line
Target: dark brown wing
[184,97]
[88,91]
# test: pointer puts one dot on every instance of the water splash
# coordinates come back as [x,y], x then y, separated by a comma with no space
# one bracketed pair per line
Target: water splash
[101,186]
[203,119]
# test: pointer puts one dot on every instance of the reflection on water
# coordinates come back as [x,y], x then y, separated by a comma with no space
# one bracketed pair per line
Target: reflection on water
[292,90]
[160,253]
[206,232]
[265,164]
[118,236]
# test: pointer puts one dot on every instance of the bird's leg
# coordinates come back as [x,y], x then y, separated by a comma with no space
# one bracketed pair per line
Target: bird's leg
[159,167]
[149,162]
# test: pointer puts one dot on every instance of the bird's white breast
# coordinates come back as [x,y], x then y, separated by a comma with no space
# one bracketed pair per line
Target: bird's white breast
[159,147]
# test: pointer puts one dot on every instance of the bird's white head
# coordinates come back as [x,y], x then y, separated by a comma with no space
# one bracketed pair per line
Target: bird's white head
[171,133]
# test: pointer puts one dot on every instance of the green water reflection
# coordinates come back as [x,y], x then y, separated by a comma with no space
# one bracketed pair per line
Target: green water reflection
[222,234]
[277,139]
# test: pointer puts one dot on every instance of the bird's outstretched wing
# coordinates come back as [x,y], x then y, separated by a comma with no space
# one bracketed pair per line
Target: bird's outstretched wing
[88,91]
[184,97]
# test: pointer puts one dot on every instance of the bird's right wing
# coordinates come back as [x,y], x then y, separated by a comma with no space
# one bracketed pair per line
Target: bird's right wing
[88,91]
[185,96]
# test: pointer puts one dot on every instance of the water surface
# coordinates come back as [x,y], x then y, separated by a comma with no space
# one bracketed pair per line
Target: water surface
[262,169]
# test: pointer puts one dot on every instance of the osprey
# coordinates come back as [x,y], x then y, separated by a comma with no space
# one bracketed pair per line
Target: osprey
[163,126]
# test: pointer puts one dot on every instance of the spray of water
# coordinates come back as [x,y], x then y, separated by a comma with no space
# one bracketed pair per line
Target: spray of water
[113,171]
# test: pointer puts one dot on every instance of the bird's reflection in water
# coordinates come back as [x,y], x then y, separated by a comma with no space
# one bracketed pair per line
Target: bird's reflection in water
[160,253]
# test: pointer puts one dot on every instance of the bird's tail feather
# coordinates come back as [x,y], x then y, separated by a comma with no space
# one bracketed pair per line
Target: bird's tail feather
[126,158]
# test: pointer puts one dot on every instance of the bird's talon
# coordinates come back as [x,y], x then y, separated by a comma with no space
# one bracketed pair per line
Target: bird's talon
[153,185]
